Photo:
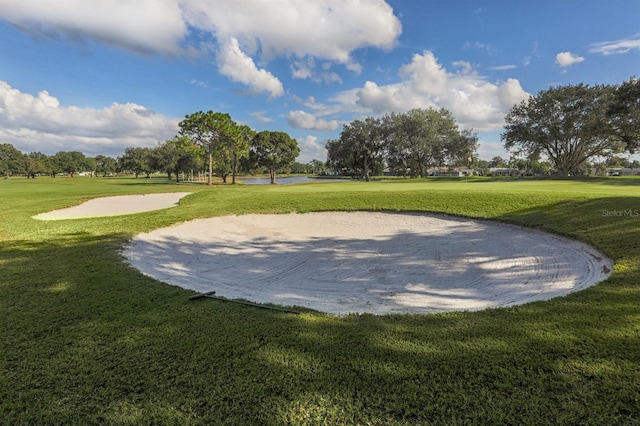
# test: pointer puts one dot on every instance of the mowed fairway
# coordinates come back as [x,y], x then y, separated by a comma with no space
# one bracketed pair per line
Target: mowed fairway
[86,339]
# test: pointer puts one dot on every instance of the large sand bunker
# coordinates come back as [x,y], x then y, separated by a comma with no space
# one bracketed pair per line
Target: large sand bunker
[379,263]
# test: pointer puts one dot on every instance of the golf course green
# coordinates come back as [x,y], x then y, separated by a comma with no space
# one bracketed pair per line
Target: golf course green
[87,339]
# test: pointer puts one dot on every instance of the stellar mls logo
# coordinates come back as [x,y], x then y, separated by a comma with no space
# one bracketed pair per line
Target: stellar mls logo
[620,213]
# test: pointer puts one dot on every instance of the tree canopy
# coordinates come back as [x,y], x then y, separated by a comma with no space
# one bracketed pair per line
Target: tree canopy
[273,151]
[359,148]
[136,160]
[12,161]
[569,124]
[624,113]
[37,163]
[175,156]
[69,162]
[421,138]
[105,165]
[208,130]
[407,142]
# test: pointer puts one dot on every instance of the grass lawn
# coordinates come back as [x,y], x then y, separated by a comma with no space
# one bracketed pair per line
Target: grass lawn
[85,339]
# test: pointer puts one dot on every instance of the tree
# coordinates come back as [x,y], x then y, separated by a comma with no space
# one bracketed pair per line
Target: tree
[105,165]
[569,124]
[175,156]
[300,168]
[273,151]
[617,161]
[317,166]
[12,161]
[359,148]
[461,148]
[37,163]
[91,165]
[70,162]
[239,145]
[137,160]
[208,130]
[497,161]
[164,158]
[624,113]
[339,156]
[481,167]
[421,138]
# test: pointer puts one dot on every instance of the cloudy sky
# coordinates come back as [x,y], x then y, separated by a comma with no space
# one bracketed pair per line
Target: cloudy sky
[98,76]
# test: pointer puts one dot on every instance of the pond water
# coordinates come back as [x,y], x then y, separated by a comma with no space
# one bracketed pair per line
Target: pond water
[286,180]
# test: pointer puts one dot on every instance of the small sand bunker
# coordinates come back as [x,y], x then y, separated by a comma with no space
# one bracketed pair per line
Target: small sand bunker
[116,206]
[379,263]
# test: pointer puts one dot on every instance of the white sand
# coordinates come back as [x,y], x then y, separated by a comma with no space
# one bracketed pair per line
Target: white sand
[116,206]
[378,263]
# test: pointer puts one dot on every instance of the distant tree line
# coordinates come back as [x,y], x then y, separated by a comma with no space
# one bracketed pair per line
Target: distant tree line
[572,130]
[401,144]
[565,130]
[208,144]
[14,162]
[519,166]
[174,157]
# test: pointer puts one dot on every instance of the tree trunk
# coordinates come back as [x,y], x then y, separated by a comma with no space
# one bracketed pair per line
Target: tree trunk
[209,181]
[272,175]
[366,169]
[233,171]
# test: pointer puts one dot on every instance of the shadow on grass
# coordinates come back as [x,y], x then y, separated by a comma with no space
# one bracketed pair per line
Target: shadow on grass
[86,339]
[633,181]
[153,181]
[612,224]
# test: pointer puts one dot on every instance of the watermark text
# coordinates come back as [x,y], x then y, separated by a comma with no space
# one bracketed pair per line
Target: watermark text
[621,213]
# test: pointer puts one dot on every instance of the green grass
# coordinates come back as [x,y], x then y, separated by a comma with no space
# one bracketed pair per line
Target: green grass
[85,339]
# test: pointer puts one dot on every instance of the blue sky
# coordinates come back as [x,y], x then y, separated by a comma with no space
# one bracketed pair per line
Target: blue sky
[100,76]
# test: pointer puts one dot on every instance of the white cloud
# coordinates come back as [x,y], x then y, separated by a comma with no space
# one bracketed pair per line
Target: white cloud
[425,83]
[311,149]
[236,65]
[142,26]
[302,70]
[488,149]
[303,120]
[260,116]
[465,67]
[616,47]
[40,123]
[329,29]
[306,70]
[199,83]
[503,68]
[566,59]
[474,102]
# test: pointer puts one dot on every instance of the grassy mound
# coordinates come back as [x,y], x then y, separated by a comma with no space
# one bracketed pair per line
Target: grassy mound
[85,339]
